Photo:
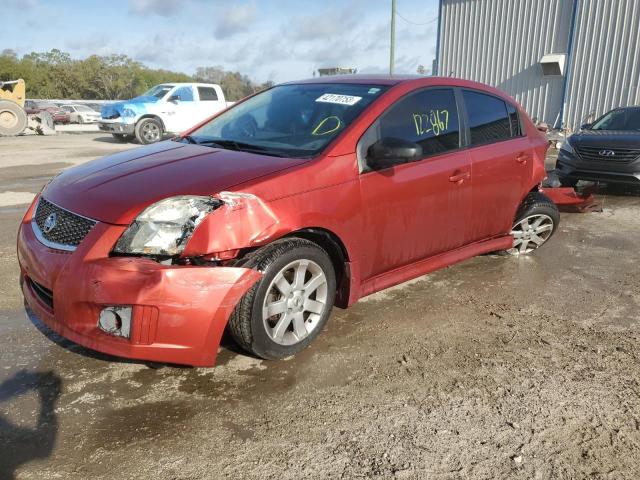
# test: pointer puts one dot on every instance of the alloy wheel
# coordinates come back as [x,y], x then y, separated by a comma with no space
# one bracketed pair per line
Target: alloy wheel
[150,132]
[530,233]
[294,302]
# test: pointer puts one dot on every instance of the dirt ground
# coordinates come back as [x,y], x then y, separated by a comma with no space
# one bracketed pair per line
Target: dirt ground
[498,367]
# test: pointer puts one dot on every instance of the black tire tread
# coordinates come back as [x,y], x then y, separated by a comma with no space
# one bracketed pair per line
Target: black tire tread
[534,200]
[240,320]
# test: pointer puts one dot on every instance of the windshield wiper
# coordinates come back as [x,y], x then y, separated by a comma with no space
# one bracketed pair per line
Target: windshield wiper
[240,146]
[190,139]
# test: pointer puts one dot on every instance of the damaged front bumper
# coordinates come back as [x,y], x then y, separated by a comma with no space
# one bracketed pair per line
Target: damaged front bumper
[178,312]
[116,126]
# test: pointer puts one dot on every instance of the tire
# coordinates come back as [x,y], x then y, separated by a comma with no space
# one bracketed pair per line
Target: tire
[13,118]
[80,120]
[123,137]
[259,334]
[536,221]
[149,130]
[568,182]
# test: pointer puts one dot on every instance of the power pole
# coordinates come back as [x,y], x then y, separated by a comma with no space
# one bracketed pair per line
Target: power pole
[393,37]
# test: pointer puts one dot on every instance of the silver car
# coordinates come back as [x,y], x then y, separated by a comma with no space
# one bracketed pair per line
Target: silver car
[81,113]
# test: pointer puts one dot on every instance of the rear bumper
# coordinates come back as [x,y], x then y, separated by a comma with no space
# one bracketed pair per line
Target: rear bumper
[116,127]
[179,312]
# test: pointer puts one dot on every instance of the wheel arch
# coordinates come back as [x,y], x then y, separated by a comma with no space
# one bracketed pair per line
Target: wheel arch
[339,255]
[155,117]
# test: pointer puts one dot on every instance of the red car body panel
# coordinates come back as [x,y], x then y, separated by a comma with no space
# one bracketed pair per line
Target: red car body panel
[392,225]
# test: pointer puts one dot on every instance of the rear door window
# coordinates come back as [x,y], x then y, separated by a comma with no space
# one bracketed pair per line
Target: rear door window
[489,120]
[207,94]
[428,118]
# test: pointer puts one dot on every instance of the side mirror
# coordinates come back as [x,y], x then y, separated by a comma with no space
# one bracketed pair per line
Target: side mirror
[584,126]
[174,98]
[389,151]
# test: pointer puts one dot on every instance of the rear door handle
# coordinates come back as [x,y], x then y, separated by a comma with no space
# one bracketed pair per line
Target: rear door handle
[522,158]
[459,177]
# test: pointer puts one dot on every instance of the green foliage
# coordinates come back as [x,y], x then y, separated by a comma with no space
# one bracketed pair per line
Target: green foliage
[55,74]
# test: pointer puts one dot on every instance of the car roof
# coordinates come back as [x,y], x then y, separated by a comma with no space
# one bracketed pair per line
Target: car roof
[360,78]
[416,81]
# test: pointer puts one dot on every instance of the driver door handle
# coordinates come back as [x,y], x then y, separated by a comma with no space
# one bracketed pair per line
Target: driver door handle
[459,177]
[522,158]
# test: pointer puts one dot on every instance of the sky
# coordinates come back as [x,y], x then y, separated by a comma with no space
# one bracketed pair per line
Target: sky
[277,40]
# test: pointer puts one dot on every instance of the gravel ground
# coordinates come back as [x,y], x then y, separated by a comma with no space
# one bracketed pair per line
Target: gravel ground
[498,367]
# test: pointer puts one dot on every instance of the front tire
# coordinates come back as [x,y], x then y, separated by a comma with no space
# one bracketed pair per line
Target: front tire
[536,221]
[287,309]
[149,130]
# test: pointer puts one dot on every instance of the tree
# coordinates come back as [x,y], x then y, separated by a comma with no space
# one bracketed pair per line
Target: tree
[55,74]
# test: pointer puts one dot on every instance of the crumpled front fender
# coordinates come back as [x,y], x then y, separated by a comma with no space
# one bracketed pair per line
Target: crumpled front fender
[243,221]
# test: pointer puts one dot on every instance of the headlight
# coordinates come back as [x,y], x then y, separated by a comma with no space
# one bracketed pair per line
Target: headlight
[165,227]
[567,148]
[128,113]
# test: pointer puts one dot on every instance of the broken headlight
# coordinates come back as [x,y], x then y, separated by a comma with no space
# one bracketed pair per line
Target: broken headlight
[165,227]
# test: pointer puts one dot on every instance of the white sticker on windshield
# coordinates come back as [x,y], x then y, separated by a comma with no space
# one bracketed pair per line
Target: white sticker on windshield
[339,99]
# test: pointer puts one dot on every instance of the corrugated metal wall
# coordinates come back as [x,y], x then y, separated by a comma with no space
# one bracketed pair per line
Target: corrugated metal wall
[605,71]
[500,42]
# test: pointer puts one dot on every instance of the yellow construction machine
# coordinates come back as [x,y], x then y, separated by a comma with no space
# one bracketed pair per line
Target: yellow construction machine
[13,117]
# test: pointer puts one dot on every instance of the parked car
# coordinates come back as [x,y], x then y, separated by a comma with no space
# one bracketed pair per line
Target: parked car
[58,114]
[303,196]
[81,114]
[166,108]
[608,150]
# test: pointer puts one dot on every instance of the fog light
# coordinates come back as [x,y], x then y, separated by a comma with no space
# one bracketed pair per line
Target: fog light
[116,321]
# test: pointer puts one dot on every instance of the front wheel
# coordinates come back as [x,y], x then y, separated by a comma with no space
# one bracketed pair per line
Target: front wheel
[536,221]
[149,130]
[286,310]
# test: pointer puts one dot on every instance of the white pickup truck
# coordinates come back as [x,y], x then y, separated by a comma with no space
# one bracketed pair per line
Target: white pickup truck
[166,108]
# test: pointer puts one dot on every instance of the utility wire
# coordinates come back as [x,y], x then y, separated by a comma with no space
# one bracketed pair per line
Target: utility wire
[414,23]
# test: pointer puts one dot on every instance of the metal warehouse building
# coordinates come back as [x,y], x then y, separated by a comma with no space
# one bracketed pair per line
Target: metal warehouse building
[563,60]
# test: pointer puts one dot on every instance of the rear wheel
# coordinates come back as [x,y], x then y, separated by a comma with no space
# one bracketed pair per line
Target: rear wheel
[13,118]
[286,310]
[536,221]
[149,130]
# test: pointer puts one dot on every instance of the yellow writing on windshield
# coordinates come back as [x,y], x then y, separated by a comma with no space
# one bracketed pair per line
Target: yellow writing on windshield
[435,121]
[327,125]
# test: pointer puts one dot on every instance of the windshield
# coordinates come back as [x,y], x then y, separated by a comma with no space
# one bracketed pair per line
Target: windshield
[84,108]
[288,120]
[158,91]
[621,119]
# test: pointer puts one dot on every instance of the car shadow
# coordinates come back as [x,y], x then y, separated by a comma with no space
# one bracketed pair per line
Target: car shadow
[19,444]
[111,139]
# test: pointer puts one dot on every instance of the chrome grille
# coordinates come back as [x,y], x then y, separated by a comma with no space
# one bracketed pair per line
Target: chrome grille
[68,228]
[620,155]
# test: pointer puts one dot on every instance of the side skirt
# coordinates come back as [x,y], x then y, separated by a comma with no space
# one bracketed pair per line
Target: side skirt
[431,264]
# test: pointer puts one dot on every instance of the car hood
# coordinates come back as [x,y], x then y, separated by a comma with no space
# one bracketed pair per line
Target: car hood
[606,138]
[138,105]
[116,188]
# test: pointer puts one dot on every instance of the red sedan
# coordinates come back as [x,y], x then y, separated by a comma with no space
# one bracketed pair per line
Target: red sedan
[58,114]
[308,195]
